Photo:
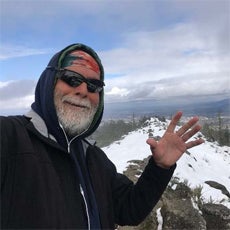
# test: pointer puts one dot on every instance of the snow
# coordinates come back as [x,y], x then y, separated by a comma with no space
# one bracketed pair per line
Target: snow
[206,162]
[159,219]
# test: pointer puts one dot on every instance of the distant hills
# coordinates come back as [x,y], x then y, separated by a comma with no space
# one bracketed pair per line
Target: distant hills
[212,108]
[166,108]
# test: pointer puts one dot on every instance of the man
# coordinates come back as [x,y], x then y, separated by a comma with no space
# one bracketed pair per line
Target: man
[53,178]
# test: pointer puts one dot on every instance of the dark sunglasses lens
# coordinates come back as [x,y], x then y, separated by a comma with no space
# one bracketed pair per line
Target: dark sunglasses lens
[71,80]
[94,86]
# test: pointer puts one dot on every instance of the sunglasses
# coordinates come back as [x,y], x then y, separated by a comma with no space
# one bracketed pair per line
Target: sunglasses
[75,79]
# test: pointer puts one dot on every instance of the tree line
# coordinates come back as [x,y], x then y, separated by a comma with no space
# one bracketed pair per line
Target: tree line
[114,130]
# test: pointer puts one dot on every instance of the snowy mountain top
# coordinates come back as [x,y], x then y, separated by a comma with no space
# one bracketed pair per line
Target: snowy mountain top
[207,162]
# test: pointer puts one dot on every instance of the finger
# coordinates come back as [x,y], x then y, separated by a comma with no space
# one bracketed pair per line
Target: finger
[151,142]
[190,133]
[174,122]
[191,144]
[187,126]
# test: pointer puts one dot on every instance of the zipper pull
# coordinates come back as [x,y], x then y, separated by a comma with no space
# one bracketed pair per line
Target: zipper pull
[68,148]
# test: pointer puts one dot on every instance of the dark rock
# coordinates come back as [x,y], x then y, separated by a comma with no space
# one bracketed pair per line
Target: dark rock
[178,211]
[217,216]
[219,186]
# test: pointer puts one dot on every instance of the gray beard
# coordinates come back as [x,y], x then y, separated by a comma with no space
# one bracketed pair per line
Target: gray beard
[74,120]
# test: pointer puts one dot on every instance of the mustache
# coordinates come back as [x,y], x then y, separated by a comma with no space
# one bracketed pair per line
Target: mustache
[84,103]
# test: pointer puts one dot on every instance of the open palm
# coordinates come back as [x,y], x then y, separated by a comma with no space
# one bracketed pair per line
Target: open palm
[173,144]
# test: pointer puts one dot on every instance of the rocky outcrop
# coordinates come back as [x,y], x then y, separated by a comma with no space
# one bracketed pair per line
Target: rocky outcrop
[177,209]
[217,216]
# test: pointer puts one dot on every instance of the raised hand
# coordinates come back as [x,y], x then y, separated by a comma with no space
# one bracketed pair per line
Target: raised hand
[173,144]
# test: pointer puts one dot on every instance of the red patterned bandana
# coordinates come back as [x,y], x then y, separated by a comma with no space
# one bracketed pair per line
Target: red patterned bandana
[81,59]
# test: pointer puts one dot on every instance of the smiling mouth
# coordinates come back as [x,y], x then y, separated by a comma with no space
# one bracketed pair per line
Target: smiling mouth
[76,105]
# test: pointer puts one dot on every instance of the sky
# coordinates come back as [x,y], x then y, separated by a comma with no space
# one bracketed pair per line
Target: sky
[150,49]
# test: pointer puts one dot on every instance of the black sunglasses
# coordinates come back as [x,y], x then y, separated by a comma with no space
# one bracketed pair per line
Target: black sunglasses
[75,79]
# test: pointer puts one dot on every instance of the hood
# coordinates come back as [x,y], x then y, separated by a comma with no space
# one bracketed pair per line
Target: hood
[44,94]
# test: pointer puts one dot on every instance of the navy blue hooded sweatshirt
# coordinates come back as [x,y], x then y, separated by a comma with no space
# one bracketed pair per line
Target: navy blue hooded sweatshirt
[30,165]
[44,106]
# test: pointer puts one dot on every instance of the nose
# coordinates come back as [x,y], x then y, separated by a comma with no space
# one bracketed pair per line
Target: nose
[81,90]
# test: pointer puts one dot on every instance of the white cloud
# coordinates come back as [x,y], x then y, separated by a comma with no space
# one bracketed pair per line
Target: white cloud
[17,103]
[202,84]
[12,51]
[175,50]
[118,91]
[4,84]
[176,61]
[16,95]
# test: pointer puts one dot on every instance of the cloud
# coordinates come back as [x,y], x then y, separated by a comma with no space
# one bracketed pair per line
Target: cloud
[105,21]
[12,51]
[177,49]
[176,61]
[118,91]
[21,103]
[181,87]
[16,95]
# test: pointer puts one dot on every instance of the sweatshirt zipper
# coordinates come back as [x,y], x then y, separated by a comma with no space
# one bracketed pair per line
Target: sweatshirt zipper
[67,140]
[81,189]
[86,206]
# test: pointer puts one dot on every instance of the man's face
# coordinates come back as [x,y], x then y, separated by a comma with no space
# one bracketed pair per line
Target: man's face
[76,106]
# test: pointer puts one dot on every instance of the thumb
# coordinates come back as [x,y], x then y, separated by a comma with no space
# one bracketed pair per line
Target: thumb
[152,143]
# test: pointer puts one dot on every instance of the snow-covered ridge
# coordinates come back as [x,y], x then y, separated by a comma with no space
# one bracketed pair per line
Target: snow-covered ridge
[207,162]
